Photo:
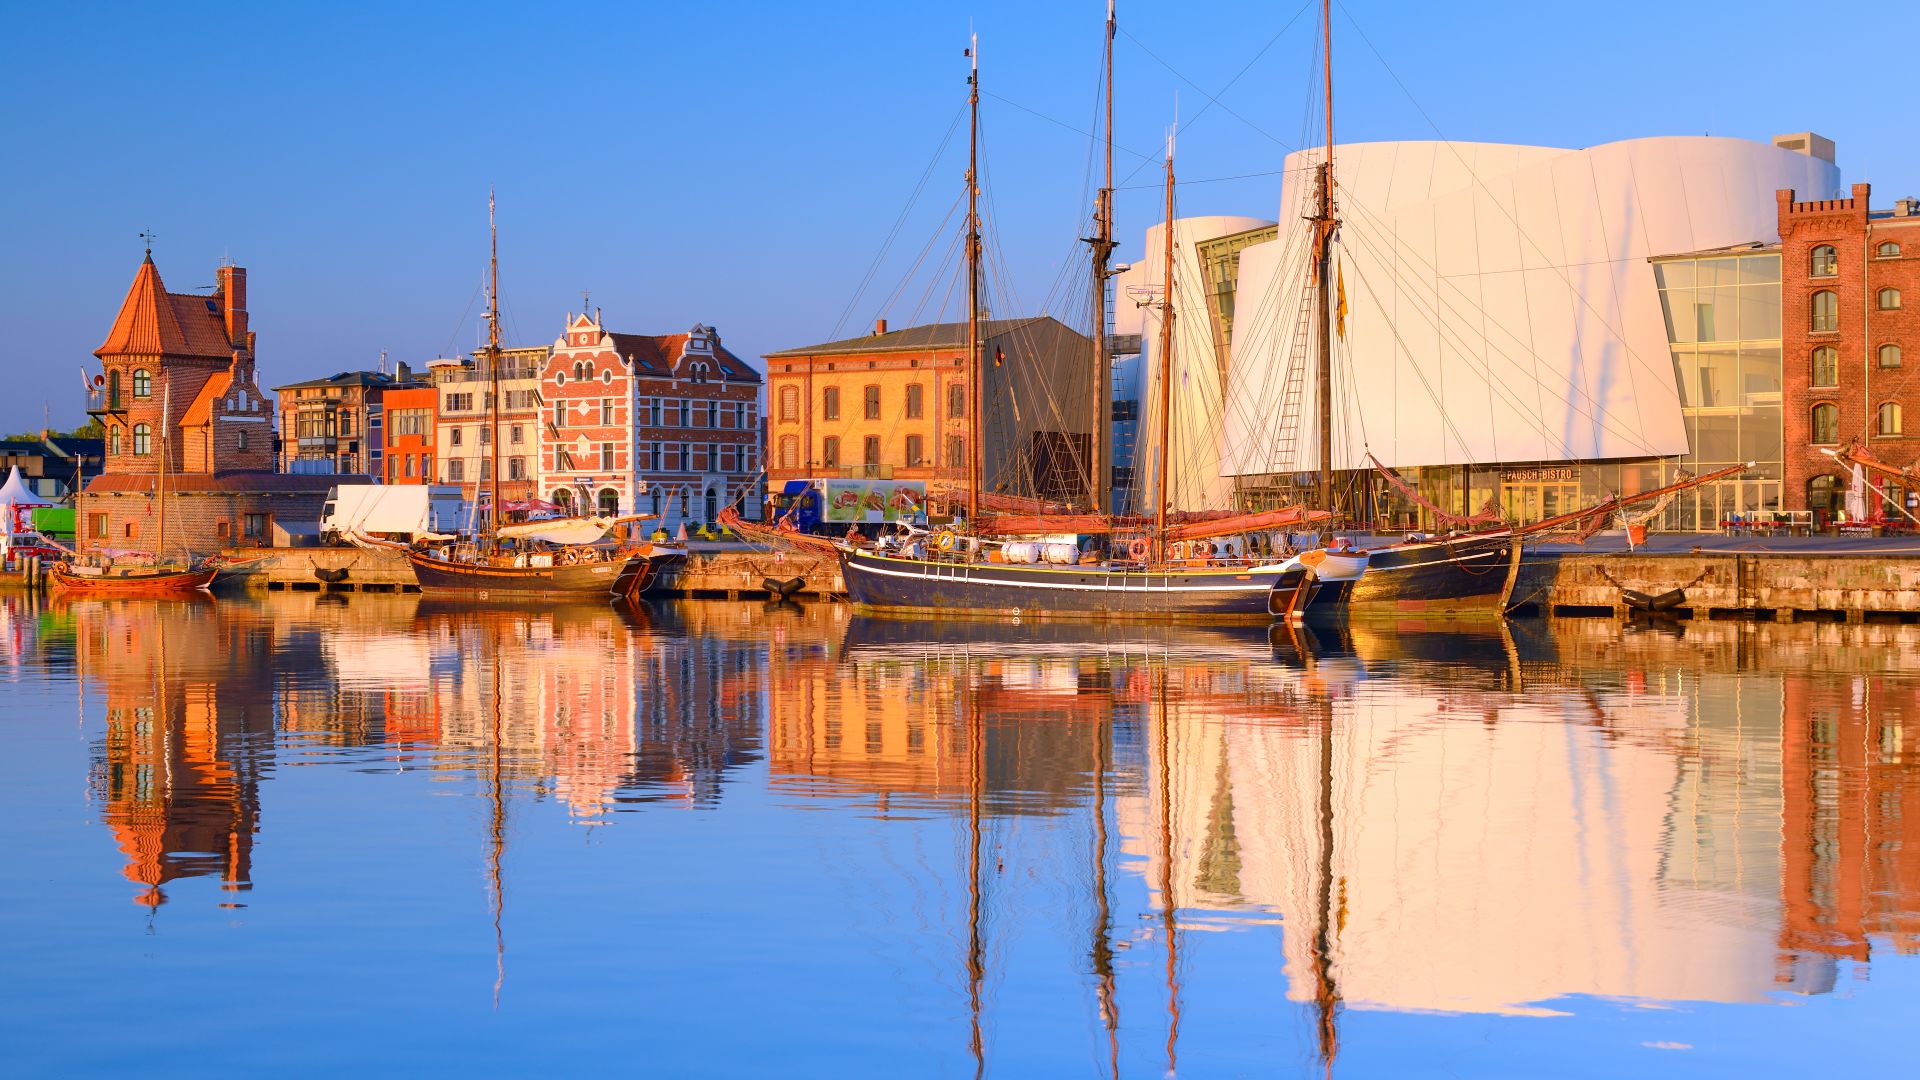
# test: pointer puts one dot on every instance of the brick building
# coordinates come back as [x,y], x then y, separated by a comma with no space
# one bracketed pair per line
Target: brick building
[653,424]
[465,430]
[1850,280]
[336,425]
[893,406]
[177,395]
[408,438]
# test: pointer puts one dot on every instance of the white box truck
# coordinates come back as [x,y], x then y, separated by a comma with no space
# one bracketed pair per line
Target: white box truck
[390,511]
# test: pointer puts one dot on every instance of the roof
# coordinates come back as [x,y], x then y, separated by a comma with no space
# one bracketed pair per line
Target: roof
[201,410]
[77,447]
[155,322]
[949,335]
[656,354]
[375,379]
[256,482]
[1751,247]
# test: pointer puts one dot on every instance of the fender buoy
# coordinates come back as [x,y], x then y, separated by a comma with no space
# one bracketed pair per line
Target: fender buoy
[1138,549]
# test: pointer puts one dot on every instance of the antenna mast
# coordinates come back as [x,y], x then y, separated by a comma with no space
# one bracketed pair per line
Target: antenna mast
[1161,481]
[1098,478]
[976,451]
[1324,225]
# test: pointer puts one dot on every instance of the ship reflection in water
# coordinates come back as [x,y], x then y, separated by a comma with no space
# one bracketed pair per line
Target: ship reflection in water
[736,838]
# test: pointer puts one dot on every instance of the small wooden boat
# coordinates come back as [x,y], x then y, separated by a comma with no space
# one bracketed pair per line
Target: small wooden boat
[131,581]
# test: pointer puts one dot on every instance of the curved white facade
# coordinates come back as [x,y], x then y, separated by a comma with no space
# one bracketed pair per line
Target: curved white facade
[1501,307]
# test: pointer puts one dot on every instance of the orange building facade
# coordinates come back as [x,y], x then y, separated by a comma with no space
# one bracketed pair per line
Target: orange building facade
[410,416]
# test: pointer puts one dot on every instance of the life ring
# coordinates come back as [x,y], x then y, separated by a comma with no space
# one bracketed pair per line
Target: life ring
[1138,549]
[946,541]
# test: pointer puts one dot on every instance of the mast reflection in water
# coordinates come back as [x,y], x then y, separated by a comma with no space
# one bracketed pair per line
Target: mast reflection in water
[776,838]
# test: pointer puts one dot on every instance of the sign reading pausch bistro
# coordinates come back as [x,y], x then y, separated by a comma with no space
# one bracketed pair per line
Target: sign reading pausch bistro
[872,501]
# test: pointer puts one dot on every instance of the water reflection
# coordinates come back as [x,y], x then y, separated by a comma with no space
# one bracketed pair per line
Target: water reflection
[1411,818]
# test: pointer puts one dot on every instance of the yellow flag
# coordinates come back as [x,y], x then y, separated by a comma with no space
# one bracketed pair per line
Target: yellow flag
[1340,302]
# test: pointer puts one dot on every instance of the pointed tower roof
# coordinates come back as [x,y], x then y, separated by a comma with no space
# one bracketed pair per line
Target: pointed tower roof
[150,322]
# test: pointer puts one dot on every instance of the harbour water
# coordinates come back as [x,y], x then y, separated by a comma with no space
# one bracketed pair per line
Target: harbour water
[737,839]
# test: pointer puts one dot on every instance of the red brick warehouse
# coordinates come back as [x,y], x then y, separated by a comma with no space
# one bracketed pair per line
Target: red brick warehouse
[1850,278]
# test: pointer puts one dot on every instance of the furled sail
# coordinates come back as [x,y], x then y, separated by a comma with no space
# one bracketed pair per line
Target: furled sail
[568,531]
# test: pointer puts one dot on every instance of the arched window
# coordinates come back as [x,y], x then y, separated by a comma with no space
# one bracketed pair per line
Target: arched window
[1889,356]
[914,404]
[1823,495]
[1887,421]
[609,502]
[1889,299]
[581,373]
[830,403]
[699,374]
[1825,368]
[113,389]
[563,498]
[1825,262]
[142,439]
[956,401]
[1826,424]
[789,452]
[1826,312]
[1888,250]
[789,403]
[113,441]
[142,383]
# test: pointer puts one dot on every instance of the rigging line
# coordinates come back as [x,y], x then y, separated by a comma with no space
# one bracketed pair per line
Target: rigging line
[919,259]
[1518,229]
[1214,99]
[448,349]
[1215,179]
[886,244]
[1062,123]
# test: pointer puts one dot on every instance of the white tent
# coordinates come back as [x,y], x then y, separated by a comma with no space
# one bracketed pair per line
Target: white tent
[15,492]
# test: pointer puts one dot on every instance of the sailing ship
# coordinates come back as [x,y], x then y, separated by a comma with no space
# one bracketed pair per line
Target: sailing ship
[1168,566]
[138,574]
[536,560]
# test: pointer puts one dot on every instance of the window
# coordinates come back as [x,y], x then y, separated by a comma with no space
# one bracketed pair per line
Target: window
[1889,356]
[407,467]
[516,468]
[99,529]
[830,452]
[1888,250]
[830,403]
[240,440]
[916,453]
[455,436]
[459,402]
[1888,419]
[559,378]
[346,424]
[1825,262]
[609,502]
[130,531]
[426,466]
[789,452]
[677,413]
[956,402]
[486,468]
[606,457]
[1825,367]
[873,402]
[222,529]
[253,526]
[113,389]
[142,383]
[1889,299]
[456,470]
[113,441]
[871,451]
[956,452]
[142,439]
[654,499]
[1826,424]
[516,435]
[582,371]
[606,377]
[559,414]
[1826,312]
[914,404]
[789,403]
[606,412]
[650,455]
[1823,495]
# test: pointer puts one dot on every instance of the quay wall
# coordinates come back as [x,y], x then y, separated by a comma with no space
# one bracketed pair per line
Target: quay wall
[1762,584]
[710,573]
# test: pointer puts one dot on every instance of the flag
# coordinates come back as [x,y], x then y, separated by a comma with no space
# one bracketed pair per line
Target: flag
[1340,301]
[999,356]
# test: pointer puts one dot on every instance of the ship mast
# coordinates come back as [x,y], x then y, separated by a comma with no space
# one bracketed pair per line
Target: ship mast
[1101,445]
[493,379]
[1324,225]
[1161,483]
[976,451]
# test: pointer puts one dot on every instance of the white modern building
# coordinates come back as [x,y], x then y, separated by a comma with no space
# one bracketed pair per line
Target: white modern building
[1504,323]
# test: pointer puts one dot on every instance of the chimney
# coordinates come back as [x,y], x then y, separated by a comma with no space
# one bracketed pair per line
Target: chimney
[1808,143]
[405,373]
[1907,207]
[879,327]
[233,299]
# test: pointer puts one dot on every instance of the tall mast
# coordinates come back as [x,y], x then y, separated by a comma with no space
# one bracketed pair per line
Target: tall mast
[493,376]
[1161,480]
[1323,227]
[166,410]
[1100,449]
[976,452]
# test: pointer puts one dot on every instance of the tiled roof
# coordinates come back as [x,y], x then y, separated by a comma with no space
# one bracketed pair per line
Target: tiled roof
[950,335]
[655,354]
[201,410]
[256,482]
[155,322]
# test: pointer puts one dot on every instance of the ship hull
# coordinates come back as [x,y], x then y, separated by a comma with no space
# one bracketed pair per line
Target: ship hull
[882,584]
[136,584]
[1464,575]
[516,583]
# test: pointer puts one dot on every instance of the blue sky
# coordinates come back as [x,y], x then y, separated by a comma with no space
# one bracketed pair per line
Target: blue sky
[741,165]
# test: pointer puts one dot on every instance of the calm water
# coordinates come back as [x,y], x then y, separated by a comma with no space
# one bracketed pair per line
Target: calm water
[312,834]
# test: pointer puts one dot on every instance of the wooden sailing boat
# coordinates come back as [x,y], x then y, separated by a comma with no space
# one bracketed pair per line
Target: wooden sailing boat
[549,560]
[130,577]
[1165,567]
